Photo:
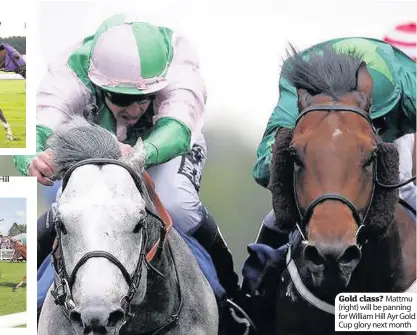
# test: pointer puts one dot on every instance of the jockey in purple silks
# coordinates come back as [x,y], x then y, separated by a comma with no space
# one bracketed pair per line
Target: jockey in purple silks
[10,61]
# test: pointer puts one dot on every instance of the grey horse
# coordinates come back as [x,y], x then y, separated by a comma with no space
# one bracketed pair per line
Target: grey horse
[119,270]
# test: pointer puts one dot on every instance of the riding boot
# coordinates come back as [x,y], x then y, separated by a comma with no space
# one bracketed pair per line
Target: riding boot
[46,235]
[209,236]
[271,237]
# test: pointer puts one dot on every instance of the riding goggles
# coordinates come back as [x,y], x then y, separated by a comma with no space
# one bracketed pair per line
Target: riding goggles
[125,100]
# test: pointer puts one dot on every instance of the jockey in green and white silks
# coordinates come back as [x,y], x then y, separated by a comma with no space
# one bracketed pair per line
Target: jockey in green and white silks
[146,83]
[393,111]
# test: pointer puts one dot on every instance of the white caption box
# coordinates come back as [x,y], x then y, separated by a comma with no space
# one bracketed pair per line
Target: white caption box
[376,312]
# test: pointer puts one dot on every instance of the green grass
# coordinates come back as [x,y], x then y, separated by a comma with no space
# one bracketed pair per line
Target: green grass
[10,275]
[13,104]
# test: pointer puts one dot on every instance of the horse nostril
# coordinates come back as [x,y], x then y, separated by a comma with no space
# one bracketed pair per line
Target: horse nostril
[115,317]
[350,255]
[313,255]
[93,318]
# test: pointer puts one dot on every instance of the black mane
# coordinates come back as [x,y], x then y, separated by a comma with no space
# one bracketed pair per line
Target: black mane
[329,72]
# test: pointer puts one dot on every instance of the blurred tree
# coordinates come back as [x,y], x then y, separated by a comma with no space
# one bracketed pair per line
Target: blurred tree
[22,228]
[17,42]
[229,191]
[14,230]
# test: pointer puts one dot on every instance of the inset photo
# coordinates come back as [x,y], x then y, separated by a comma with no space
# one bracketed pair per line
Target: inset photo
[12,79]
[17,206]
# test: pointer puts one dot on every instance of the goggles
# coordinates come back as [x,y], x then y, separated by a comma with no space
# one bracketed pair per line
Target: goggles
[125,100]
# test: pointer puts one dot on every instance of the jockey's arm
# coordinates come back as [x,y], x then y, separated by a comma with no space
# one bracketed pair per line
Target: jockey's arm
[60,95]
[406,149]
[179,108]
[284,115]
[407,104]
[413,170]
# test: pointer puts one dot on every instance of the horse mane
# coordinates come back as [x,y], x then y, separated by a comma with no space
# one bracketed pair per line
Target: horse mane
[78,140]
[329,72]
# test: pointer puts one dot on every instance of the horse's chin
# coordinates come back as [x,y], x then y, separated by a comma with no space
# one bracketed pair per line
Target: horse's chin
[80,330]
[327,287]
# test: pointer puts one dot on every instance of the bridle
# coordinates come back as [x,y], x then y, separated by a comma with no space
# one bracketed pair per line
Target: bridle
[361,237]
[62,291]
[360,221]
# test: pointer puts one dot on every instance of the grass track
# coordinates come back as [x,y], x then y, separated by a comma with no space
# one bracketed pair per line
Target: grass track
[10,275]
[13,104]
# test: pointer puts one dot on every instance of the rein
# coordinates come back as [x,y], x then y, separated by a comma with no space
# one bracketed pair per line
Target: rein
[62,292]
[360,238]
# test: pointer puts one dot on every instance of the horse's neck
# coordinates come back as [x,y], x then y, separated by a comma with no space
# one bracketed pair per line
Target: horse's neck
[407,231]
[162,296]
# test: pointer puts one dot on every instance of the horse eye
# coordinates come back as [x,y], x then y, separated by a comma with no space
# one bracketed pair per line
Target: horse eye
[138,227]
[140,224]
[59,225]
[298,163]
[370,159]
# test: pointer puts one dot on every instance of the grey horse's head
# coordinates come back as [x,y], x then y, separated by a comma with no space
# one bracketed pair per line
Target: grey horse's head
[100,208]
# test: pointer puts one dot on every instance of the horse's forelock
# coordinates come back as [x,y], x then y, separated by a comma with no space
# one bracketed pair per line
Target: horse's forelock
[78,140]
[330,72]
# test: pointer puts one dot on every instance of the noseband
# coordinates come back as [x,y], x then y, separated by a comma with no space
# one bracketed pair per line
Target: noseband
[360,221]
[62,292]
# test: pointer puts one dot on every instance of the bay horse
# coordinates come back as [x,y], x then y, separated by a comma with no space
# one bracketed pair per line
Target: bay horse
[19,251]
[334,184]
[121,268]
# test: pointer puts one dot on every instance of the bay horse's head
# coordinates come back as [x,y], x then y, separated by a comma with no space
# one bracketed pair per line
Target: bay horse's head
[324,171]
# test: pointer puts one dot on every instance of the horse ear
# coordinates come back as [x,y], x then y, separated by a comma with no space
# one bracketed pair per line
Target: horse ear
[364,81]
[136,159]
[304,98]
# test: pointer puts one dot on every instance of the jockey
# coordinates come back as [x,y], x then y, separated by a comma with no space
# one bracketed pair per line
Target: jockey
[10,61]
[403,37]
[393,110]
[137,81]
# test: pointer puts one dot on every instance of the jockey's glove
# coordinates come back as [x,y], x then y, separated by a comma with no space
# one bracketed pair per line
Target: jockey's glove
[169,138]
[22,162]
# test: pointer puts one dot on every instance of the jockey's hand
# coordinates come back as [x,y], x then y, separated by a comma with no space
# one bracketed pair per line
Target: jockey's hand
[42,168]
[125,148]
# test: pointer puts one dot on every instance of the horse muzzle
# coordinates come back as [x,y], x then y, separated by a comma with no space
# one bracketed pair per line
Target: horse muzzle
[333,265]
[97,320]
